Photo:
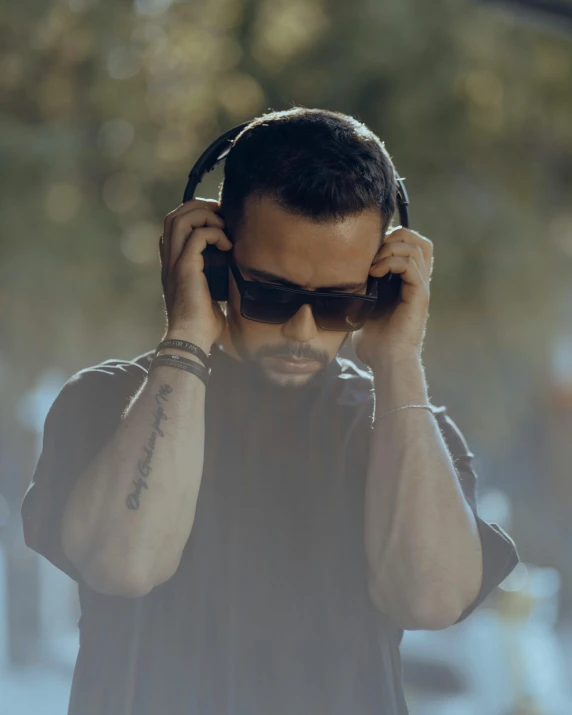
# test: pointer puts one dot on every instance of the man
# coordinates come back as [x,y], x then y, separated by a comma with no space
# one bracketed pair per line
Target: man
[258,545]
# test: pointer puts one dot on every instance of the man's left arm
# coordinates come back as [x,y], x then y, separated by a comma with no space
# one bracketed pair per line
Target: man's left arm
[431,559]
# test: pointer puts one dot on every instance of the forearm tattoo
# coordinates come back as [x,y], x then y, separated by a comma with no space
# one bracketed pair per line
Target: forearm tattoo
[144,467]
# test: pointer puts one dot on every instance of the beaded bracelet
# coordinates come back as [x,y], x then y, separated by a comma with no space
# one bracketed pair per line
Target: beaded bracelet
[186,346]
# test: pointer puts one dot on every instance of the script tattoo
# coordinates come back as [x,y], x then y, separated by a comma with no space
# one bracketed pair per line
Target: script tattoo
[144,468]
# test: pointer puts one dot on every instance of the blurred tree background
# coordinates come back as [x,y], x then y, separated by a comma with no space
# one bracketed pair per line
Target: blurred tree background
[105,106]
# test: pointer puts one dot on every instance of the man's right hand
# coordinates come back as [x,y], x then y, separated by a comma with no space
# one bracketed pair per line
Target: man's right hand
[191,312]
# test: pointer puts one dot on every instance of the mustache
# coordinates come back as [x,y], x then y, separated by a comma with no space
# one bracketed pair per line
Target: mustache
[292,352]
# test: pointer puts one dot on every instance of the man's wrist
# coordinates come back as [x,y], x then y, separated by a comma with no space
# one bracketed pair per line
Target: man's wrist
[399,382]
[190,336]
[392,364]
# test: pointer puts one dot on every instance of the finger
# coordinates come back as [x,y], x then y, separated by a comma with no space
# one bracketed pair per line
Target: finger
[407,234]
[191,253]
[197,203]
[392,231]
[400,234]
[185,208]
[405,266]
[399,248]
[184,224]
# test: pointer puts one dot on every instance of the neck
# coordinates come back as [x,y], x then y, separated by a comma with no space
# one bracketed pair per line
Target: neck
[226,344]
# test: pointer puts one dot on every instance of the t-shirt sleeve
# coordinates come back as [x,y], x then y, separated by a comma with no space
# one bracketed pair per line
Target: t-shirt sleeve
[83,417]
[500,555]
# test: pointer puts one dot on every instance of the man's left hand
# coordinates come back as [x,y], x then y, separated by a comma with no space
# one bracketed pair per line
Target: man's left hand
[399,334]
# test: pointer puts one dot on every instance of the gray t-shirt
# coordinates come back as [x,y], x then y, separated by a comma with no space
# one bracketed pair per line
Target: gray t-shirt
[268,612]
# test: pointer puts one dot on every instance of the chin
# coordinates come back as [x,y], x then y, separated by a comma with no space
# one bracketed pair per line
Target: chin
[287,380]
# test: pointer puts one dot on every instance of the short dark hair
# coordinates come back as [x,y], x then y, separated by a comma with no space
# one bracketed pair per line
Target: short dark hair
[314,162]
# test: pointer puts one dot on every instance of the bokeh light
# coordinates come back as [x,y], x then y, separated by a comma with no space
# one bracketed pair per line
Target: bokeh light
[115,136]
[121,192]
[62,202]
[140,242]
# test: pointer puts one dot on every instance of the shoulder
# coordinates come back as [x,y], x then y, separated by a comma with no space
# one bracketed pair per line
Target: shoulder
[134,368]
[354,384]
[114,370]
[112,380]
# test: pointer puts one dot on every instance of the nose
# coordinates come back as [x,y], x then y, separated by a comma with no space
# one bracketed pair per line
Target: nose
[301,327]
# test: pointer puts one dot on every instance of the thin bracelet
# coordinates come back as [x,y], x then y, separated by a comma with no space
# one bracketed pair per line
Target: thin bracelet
[180,358]
[186,346]
[183,360]
[193,367]
[403,407]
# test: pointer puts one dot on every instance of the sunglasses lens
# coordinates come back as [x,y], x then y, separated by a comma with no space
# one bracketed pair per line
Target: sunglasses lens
[273,305]
[342,314]
[268,305]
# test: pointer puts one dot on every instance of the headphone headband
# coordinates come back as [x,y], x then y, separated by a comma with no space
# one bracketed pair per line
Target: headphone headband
[219,149]
[211,156]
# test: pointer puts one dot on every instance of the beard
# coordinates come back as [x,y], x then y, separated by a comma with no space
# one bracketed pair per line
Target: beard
[260,365]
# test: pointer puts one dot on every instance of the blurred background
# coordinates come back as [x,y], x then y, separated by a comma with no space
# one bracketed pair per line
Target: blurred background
[103,110]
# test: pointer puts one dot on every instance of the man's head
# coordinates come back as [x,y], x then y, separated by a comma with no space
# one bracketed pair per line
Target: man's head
[307,198]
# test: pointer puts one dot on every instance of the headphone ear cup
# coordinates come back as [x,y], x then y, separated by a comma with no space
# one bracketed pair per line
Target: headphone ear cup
[216,271]
[388,294]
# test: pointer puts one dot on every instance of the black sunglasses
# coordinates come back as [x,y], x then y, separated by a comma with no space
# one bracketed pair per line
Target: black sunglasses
[268,303]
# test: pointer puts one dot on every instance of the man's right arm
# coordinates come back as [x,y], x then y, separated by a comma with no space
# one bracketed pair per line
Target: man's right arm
[121,523]
[130,513]
[128,517]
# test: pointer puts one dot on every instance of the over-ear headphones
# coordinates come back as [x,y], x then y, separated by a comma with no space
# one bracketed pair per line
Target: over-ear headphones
[216,261]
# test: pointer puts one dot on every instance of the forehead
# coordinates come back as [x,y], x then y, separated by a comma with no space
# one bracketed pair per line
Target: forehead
[304,251]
